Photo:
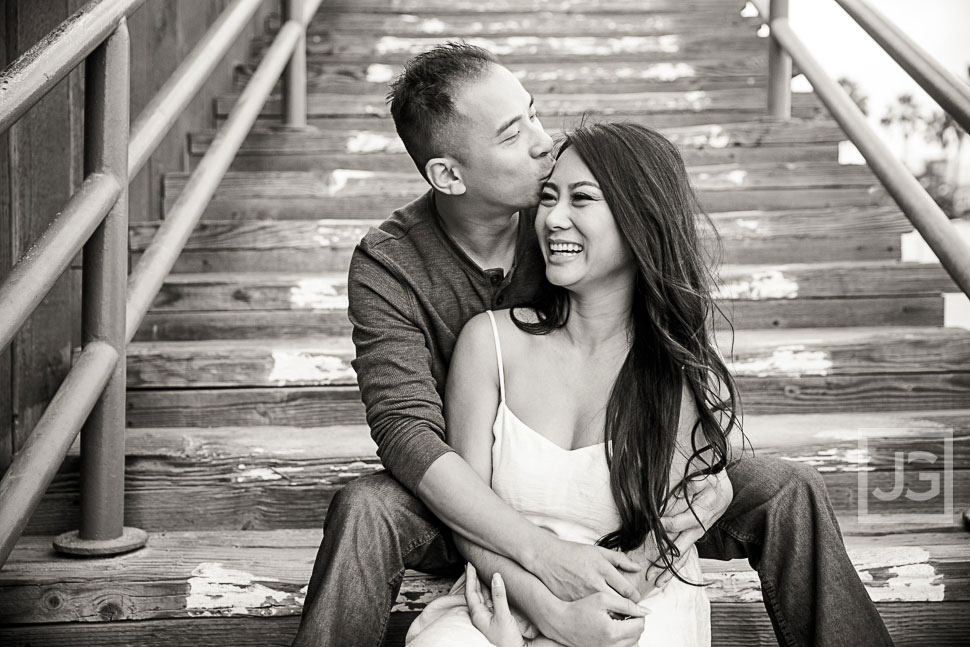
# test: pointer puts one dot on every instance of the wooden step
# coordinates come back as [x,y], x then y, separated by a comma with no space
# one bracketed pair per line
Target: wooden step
[751,142]
[284,477]
[810,235]
[256,579]
[347,194]
[364,77]
[781,355]
[702,43]
[793,296]
[776,313]
[515,23]
[557,108]
[448,7]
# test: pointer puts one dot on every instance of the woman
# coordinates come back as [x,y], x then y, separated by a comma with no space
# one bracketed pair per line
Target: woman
[592,410]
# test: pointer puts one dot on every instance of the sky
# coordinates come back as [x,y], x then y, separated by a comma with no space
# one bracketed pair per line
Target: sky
[941,27]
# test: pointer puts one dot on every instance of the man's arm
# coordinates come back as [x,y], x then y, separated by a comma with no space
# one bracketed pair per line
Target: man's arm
[404,413]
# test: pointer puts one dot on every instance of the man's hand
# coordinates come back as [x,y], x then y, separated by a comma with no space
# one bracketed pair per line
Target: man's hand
[573,571]
[710,498]
[601,619]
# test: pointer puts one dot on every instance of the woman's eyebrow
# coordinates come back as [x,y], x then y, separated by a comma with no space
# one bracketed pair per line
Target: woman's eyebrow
[584,183]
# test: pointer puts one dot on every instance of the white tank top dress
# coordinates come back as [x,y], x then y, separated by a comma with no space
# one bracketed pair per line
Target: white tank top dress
[568,493]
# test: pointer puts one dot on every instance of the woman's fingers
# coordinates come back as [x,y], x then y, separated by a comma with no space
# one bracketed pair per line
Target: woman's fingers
[500,602]
[480,615]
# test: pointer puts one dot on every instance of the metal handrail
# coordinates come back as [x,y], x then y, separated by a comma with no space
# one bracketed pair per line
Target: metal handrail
[918,206]
[95,218]
[949,92]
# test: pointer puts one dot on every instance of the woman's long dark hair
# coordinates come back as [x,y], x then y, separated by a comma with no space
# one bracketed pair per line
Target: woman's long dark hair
[646,186]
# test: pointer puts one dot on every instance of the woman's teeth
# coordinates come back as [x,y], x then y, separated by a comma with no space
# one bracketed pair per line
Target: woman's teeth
[565,248]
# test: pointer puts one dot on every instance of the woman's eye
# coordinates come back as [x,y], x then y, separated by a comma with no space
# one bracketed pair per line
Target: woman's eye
[581,196]
[547,197]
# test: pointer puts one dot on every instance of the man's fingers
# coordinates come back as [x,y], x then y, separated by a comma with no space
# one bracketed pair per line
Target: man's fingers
[620,560]
[679,523]
[616,604]
[621,585]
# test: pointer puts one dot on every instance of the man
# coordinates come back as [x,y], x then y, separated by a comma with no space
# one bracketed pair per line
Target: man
[466,246]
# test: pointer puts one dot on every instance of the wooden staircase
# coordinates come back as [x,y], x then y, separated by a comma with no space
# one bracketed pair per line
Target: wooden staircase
[243,409]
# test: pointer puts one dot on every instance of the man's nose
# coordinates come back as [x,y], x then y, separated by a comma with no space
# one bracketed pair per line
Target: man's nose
[542,143]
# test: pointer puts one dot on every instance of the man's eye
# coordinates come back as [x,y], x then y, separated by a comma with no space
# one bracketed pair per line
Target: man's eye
[534,116]
[511,138]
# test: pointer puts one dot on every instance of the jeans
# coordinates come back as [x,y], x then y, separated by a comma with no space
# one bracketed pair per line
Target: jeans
[780,519]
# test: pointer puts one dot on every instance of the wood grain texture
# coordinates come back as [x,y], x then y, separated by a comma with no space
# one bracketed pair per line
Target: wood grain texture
[248,574]
[742,624]
[556,106]
[248,478]
[908,355]
[602,76]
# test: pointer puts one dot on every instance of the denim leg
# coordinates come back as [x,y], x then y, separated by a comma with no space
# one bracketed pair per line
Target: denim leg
[375,529]
[782,521]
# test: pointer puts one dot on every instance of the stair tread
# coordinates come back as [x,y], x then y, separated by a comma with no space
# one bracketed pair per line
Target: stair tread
[732,100]
[754,133]
[327,290]
[773,354]
[244,573]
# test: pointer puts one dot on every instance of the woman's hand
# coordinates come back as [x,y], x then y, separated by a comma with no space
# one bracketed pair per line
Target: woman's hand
[496,624]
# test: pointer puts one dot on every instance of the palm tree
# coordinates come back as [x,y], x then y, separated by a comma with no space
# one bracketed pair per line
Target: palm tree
[905,115]
[855,93]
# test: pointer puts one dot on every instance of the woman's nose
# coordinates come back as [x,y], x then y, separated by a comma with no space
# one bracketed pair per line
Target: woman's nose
[558,216]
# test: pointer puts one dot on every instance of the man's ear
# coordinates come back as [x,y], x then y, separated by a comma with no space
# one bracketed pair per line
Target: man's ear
[444,175]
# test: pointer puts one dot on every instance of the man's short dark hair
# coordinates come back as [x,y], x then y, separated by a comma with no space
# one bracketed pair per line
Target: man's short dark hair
[422,98]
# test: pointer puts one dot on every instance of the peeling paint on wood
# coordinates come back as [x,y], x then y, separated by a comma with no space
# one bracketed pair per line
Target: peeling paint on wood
[379,73]
[768,284]
[898,574]
[308,367]
[374,142]
[791,361]
[317,294]
[572,45]
[956,310]
[339,178]
[215,590]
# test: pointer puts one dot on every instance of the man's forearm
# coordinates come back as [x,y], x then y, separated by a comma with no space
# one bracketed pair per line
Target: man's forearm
[454,492]
[526,592]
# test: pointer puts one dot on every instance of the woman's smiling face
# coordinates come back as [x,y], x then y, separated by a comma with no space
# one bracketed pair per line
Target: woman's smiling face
[580,241]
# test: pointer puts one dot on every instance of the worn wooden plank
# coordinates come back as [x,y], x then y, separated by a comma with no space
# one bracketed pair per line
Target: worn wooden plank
[741,624]
[301,406]
[181,575]
[435,7]
[328,291]
[554,107]
[365,77]
[351,194]
[523,24]
[284,477]
[777,313]
[784,355]
[754,134]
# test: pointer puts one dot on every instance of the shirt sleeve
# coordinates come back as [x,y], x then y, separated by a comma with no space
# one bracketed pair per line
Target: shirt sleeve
[393,365]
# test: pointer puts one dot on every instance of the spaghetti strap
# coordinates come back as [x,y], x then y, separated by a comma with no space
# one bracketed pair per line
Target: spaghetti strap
[498,356]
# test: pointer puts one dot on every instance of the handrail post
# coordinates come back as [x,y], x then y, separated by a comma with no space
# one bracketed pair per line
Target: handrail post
[294,76]
[779,66]
[105,271]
